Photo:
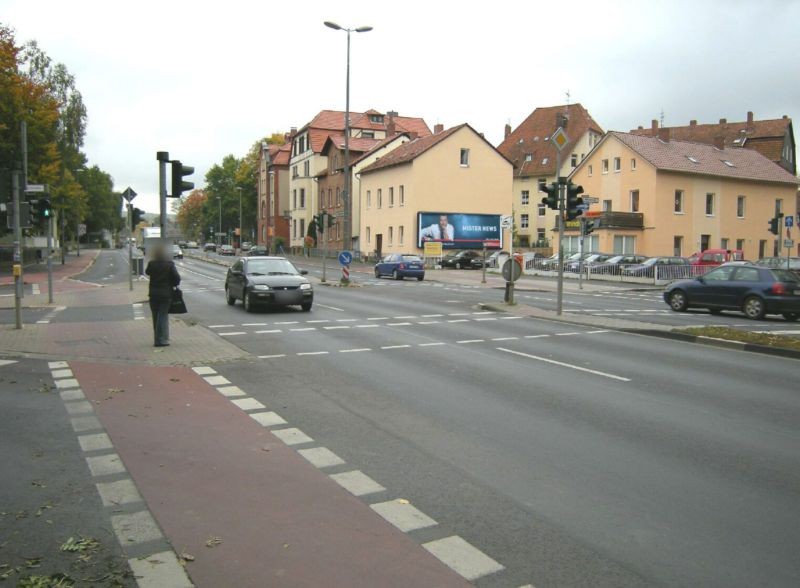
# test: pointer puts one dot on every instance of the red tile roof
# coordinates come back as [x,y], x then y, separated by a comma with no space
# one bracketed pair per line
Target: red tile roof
[672,155]
[531,137]
[380,144]
[333,120]
[280,154]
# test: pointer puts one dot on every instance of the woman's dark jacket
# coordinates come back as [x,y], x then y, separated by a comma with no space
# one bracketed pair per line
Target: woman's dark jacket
[163,278]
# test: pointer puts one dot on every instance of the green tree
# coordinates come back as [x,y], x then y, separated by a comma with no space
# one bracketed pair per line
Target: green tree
[104,205]
[191,214]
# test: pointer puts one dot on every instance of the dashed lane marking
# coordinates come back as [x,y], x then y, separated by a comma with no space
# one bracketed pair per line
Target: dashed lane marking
[566,365]
[467,560]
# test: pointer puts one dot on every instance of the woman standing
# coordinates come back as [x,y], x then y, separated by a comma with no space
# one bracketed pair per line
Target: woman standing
[163,279]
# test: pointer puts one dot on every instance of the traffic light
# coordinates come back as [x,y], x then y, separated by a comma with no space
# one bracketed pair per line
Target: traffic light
[551,200]
[45,209]
[178,184]
[33,212]
[331,220]
[589,225]
[775,224]
[136,217]
[574,201]
[319,221]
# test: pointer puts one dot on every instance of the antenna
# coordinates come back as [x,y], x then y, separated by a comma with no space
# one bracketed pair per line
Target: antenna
[567,105]
[661,122]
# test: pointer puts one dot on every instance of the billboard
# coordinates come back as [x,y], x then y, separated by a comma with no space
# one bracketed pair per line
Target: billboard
[457,230]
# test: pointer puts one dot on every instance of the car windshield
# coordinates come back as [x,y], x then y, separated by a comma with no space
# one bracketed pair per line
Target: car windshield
[271,267]
[615,259]
[412,258]
[783,275]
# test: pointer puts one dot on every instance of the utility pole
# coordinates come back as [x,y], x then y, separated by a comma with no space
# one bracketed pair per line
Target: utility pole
[163,158]
[17,252]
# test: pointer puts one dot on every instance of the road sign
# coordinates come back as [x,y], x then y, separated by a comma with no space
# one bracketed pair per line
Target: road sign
[788,243]
[789,220]
[512,270]
[128,194]
[35,189]
[559,138]
[591,199]
[506,222]
[81,230]
[582,206]
[432,248]
[345,258]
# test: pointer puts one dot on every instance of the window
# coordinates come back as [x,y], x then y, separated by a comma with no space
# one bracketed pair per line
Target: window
[705,242]
[294,229]
[624,244]
[709,204]
[302,228]
[605,166]
[391,235]
[380,198]
[541,236]
[464,157]
[402,196]
[523,221]
[762,248]
[778,206]
[391,197]
[525,197]
[376,118]
[369,198]
[633,164]
[746,274]
[294,198]
[728,163]
[369,235]
[740,244]
[590,170]
[294,171]
[617,164]
[545,160]
[723,243]
[529,157]
[330,198]
[542,209]
[677,245]
[306,168]
[692,158]
[338,196]
[368,134]
[678,201]
[740,206]
[606,205]
[634,200]
[302,197]
[400,234]
[573,160]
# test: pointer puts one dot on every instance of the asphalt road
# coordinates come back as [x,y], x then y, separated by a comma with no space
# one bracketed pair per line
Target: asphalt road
[573,456]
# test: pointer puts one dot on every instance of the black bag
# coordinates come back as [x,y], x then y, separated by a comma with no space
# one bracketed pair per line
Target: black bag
[177,306]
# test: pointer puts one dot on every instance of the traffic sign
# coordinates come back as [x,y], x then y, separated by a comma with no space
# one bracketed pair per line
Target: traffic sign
[591,199]
[506,222]
[583,206]
[345,258]
[789,220]
[129,194]
[512,270]
[559,138]
[35,189]
[788,243]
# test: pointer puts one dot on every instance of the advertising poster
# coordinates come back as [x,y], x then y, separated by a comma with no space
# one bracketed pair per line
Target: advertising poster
[457,230]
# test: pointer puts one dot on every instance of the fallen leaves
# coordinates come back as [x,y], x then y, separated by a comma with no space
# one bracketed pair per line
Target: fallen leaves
[213,541]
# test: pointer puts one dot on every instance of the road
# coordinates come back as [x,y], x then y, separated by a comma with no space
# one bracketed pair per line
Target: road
[571,456]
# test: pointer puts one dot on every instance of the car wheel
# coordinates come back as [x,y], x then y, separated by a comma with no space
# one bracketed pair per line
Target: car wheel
[678,301]
[753,308]
[230,299]
[791,316]
[306,307]
[248,302]
[420,278]
[458,265]
[396,275]
[377,273]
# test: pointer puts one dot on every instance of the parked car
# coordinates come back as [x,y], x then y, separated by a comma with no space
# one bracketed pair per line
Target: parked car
[496,259]
[191,245]
[460,260]
[226,250]
[551,263]
[177,252]
[668,268]
[246,246]
[589,259]
[209,247]
[791,263]
[401,265]
[257,250]
[714,257]
[754,290]
[614,265]
[272,281]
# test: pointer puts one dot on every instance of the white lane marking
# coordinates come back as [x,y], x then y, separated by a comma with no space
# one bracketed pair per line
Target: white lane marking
[354,350]
[314,353]
[510,318]
[404,317]
[220,326]
[458,314]
[493,318]
[458,321]
[471,341]
[598,331]
[535,336]
[366,326]
[302,329]
[484,312]
[319,321]
[465,559]
[321,457]
[232,333]
[432,315]
[566,365]
[431,344]
[330,307]
[204,370]
[272,356]
[254,324]
[397,324]
[567,334]
[346,320]
[288,323]
[505,338]
[395,346]
[378,318]
[403,515]
[292,436]
[338,327]
[428,322]
[270,331]
[356,482]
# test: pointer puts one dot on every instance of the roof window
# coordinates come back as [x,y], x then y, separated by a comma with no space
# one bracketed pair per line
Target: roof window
[728,163]
[544,161]
[692,158]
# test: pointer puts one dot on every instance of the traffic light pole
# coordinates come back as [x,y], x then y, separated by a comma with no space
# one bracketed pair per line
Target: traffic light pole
[582,222]
[163,158]
[50,259]
[130,247]
[560,285]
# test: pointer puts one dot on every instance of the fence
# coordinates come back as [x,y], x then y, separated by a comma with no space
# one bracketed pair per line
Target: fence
[633,273]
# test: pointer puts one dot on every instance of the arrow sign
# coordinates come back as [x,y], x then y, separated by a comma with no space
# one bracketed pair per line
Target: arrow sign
[345,258]
[789,220]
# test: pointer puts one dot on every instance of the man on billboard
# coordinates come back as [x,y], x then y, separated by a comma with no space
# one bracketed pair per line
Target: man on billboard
[443,231]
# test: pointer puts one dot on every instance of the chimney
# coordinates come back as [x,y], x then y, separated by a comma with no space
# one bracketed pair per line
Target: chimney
[640,128]
[292,131]
[508,131]
[749,117]
[663,135]
[719,142]
[692,123]
[392,114]
[438,128]
[723,121]
[391,128]
[785,117]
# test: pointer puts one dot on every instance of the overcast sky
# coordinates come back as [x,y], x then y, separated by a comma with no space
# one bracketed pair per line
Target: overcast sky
[202,80]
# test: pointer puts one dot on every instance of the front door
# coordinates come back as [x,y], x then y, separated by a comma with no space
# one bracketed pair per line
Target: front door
[378,246]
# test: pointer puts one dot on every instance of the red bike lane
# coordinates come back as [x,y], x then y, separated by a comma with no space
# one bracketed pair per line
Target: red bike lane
[249,509]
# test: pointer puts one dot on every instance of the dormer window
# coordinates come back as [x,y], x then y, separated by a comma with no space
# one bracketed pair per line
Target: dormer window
[545,160]
[528,156]
[376,118]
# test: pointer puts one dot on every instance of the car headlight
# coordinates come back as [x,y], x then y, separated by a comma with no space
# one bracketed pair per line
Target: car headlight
[305,286]
[260,287]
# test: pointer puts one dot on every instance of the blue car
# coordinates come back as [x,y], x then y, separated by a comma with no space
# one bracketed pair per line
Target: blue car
[401,265]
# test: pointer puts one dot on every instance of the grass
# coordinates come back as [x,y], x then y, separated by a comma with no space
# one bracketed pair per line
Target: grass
[765,339]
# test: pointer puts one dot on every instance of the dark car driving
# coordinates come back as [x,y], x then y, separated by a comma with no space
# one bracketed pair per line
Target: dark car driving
[495,259]
[273,281]
[401,265]
[754,290]
[460,260]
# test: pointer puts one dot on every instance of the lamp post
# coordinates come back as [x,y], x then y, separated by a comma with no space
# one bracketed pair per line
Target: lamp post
[348,210]
[219,233]
[241,229]
[270,210]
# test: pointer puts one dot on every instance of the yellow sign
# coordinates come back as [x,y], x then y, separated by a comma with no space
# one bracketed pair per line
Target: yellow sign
[559,138]
[17,270]
[432,248]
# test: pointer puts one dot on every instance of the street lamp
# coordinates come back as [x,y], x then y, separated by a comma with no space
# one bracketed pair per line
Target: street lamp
[348,209]
[241,230]
[219,233]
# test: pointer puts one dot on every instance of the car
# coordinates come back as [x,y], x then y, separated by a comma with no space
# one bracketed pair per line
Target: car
[257,250]
[246,246]
[191,245]
[790,263]
[209,247]
[615,265]
[177,252]
[460,260]
[589,260]
[267,281]
[754,290]
[715,257]
[226,250]
[401,265]
[667,268]
[496,259]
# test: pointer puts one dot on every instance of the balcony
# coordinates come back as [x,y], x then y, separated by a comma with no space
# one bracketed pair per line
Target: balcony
[611,220]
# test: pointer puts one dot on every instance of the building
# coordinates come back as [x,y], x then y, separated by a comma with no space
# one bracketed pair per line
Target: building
[658,196]
[453,172]
[774,138]
[273,194]
[534,157]
[307,159]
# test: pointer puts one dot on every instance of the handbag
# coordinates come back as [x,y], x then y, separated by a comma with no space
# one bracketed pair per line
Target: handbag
[177,306]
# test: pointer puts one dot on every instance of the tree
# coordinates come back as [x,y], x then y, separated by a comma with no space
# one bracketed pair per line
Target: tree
[104,206]
[190,214]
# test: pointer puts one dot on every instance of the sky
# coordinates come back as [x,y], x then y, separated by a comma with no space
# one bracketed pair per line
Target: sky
[203,80]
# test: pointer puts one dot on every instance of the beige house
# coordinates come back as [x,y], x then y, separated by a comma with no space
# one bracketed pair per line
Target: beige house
[663,197]
[454,170]
[534,157]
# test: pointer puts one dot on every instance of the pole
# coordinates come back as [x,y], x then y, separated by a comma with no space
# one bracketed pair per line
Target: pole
[78,239]
[162,157]
[17,253]
[580,249]
[241,229]
[50,259]
[346,199]
[324,247]
[483,273]
[61,234]
[560,287]
[130,247]
[219,233]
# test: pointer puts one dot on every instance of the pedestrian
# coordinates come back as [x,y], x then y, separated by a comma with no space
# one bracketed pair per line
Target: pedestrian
[163,279]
